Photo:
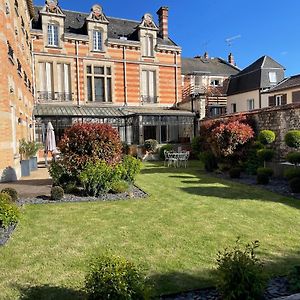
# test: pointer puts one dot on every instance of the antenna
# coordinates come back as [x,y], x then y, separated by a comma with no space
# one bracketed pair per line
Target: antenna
[230,40]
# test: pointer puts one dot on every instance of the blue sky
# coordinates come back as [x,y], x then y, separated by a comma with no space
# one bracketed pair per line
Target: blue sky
[262,27]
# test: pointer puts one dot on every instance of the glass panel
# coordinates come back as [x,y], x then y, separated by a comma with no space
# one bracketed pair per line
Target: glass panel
[89,69]
[108,70]
[99,70]
[99,89]
[108,90]
[149,132]
[163,133]
[89,88]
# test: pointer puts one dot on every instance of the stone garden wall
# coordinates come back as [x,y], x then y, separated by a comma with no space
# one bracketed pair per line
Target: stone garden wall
[280,119]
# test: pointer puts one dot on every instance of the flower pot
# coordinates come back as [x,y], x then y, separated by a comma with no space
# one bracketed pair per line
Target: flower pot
[25,167]
[33,163]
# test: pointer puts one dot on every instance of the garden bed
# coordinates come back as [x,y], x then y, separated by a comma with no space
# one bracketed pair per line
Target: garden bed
[276,185]
[5,234]
[134,193]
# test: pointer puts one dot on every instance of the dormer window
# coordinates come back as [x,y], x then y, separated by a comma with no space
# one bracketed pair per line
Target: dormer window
[97,40]
[273,77]
[52,35]
[148,50]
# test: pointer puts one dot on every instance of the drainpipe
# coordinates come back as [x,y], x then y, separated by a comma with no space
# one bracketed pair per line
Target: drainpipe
[125,76]
[77,73]
[176,79]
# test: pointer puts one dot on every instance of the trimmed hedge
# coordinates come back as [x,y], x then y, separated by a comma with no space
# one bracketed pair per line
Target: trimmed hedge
[266,137]
[292,138]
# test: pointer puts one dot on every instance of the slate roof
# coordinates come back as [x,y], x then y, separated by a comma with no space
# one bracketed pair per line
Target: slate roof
[212,66]
[256,76]
[287,83]
[117,27]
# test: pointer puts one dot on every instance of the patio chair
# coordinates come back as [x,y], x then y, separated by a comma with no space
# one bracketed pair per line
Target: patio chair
[183,158]
[172,159]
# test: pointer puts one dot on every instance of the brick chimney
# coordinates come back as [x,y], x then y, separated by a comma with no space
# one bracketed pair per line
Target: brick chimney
[163,15]
[231,59]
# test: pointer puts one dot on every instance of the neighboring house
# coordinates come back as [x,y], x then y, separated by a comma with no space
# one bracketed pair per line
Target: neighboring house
[16,99]
[90,67]
[246,89]
[285,92]
[204,84]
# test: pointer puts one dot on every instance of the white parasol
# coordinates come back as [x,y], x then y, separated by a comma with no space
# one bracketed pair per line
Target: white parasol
[50,144]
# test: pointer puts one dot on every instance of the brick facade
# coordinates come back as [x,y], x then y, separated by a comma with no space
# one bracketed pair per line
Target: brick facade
[16,99]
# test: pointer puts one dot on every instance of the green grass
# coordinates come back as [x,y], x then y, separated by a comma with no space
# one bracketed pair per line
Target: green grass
[174,234]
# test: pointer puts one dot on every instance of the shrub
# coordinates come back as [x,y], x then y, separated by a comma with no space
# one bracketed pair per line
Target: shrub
[252,161]
[89,143]
[9,211]
[292,138]
[96,178]
[266,137]
[209,160]
[162,149]
[196,145]
[265,155]
[294,280]
[113,277]
[235,173]
[120,186]
[132,167]
[262,179]
[265,171]
[293,158]
[125,148]
[57,193]
[151,145]
[59,174]
[292,173]
[12,193]
[295,185]
[240,273]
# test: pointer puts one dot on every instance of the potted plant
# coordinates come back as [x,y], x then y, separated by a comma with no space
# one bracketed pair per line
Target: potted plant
[24,151]
[33,148]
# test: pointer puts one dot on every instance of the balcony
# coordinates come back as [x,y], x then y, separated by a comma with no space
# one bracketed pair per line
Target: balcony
[44,96]
[149,99]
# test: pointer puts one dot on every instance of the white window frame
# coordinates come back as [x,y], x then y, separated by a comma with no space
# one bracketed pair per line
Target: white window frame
[273,77]
[97,40]
[278,100]
[53,33]
[149,85]
[250,104]
[149,45]
[213,81]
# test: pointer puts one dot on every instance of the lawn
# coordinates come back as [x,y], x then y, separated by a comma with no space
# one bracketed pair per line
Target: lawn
[174,234]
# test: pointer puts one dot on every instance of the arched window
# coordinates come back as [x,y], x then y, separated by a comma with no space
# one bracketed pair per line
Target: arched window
[53,35]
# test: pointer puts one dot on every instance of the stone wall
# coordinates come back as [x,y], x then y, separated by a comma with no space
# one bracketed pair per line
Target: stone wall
[280,119]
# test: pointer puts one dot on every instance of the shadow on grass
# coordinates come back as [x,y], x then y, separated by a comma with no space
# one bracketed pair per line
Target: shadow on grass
[47,292]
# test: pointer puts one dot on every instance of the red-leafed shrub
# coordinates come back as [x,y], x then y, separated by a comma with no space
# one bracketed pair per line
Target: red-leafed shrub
[88,143]
[228,137]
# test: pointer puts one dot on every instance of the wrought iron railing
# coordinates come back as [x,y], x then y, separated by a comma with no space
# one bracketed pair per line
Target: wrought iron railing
[149,99]
[45,96]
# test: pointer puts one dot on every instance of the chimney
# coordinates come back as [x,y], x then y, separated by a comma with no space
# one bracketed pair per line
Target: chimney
[206,56]
[163,14]
[231,59]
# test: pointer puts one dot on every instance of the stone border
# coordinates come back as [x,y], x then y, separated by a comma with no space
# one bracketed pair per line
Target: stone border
[5,234]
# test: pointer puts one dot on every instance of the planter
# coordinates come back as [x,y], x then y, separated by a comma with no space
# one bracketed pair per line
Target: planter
[33,163]
[25,167]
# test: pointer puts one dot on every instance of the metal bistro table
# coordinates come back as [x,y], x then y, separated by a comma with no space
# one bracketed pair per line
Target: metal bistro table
[177,159]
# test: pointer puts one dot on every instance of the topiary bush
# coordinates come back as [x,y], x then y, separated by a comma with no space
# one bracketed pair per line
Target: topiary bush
[265,155]
[235,173]
[114,277]
[294,279]
[293,158]
[9,211]
[162,150]
[151,145]
[265,171]
[57,193]
[266,137]
[120,186]
[292,138]
[292,173]
[294,184]
[209,160]
[240,273]
[12,193]
[262,179]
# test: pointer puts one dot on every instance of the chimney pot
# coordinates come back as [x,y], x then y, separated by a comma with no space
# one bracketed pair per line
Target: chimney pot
[206,56]
[231,59]
[163,16]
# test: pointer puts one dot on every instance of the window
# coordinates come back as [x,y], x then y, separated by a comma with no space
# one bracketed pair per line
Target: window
[14,130]
[10,51]
[233,107]
[97,40]
[63,82]
[45,81]
[52,35]
[250,104]
[17,7]
[296,97]
[148,47]
[272,77]
[22,24]
[278,100]
[19,67]
[99,83]
[215,82]
[149,86]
